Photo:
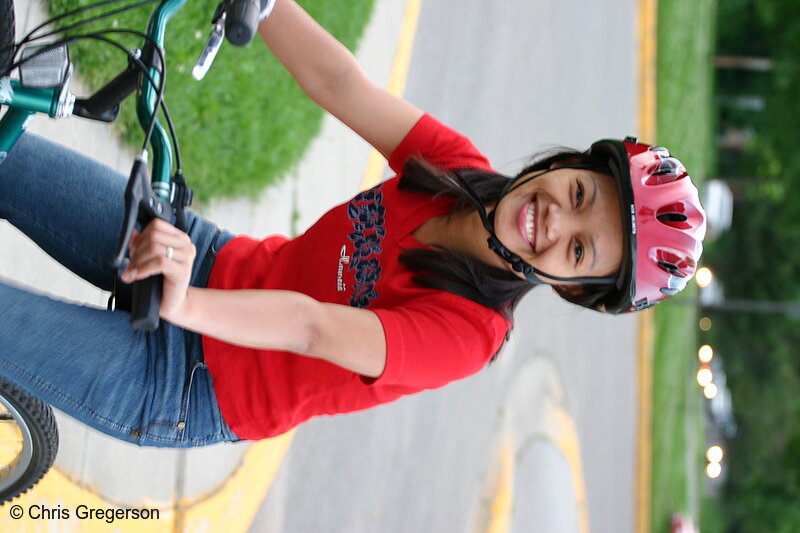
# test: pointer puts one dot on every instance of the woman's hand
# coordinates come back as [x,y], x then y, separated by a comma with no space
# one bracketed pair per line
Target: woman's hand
[161,248]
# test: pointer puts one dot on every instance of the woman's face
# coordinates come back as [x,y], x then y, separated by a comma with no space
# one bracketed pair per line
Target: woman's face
[565,223]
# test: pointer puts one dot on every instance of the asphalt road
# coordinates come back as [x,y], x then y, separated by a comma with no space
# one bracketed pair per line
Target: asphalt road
[517,76]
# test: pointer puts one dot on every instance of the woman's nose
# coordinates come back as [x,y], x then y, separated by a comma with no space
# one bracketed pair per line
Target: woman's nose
[553,222]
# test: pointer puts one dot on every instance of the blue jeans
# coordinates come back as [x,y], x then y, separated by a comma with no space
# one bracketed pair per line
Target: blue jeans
[151,389]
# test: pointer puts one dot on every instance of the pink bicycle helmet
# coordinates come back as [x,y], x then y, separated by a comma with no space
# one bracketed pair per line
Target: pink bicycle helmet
[663,224]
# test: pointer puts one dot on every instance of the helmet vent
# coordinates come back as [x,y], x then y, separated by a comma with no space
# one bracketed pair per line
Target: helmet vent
[668,170]
[661,150]
[672,268]
[674,215]
[674,263]
[668,165]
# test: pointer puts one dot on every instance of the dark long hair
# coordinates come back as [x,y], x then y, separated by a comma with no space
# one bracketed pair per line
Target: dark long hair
[448,270]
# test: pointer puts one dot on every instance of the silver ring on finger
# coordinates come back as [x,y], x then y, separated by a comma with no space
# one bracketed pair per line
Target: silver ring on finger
[170,252]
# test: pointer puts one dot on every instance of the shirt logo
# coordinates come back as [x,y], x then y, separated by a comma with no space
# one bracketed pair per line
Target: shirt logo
[344,259]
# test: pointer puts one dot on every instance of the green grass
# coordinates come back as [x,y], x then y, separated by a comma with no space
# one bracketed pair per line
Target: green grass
[247,122]
[685,126]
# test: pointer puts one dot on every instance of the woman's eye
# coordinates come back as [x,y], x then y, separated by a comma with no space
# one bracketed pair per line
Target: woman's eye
[578,251]
[579,194]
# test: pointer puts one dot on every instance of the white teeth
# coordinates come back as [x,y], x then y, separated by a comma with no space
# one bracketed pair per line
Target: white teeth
[529,222]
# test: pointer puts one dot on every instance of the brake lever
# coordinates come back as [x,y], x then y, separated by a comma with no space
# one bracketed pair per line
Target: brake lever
[212,44]
[141,206]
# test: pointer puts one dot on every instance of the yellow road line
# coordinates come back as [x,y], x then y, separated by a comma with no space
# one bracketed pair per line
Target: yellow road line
[644,455]
[647,34]
[234,505]
[563,435]
[502,506]
[647,30]
[568,443]
[397,83]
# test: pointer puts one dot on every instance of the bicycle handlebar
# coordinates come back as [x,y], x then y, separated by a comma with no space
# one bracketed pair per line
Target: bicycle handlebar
[242,21]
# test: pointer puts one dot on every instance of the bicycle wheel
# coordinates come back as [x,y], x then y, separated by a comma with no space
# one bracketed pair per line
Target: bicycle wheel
[6,34]
[28,440]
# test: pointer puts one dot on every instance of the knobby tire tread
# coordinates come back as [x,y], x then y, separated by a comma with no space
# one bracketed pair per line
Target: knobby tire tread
[42,425]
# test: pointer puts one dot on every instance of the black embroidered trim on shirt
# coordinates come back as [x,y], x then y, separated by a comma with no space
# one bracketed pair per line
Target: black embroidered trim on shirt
[366,212]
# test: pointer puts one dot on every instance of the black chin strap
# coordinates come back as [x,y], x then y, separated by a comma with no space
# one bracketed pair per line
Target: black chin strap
[531,273]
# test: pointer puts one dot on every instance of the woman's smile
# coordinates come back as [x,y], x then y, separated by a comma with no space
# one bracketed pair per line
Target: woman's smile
[528,222]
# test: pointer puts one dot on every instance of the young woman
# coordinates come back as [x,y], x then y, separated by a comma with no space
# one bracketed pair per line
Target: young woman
[406,287]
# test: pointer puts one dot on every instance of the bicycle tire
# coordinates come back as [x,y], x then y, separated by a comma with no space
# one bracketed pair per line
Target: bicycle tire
[6,34]
[38,436]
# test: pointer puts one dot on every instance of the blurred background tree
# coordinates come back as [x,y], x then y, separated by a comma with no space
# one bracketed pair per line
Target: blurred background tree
[758,95]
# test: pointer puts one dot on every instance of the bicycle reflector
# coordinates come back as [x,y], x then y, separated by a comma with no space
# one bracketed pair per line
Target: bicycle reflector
[44,67]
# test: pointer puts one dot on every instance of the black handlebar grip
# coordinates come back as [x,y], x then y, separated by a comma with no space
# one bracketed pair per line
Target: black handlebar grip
[241,21]
[146,303]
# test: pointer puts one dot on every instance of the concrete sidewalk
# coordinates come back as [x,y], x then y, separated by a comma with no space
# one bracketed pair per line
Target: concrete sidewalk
[116,473]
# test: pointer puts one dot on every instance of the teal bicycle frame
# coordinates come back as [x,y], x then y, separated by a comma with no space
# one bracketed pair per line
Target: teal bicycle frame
[163,196]
[24,103]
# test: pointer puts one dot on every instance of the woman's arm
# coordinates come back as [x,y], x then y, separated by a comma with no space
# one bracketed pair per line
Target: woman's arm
[267,319]
[330,75]
[289,321]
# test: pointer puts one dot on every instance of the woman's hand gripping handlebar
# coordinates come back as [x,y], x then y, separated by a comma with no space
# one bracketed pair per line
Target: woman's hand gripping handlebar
[142,206]
[161,254]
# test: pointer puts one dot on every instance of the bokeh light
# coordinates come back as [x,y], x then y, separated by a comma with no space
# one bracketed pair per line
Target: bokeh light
[705,354]
[704,376]
[714,454]
[704,276]
[705,323]
[710,391]
[713,470]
